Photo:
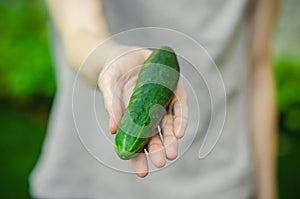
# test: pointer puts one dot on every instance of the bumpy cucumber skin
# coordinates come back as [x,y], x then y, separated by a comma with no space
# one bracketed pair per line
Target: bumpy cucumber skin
[128,144]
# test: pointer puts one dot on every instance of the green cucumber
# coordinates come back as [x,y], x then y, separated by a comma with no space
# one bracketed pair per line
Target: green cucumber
[156,82]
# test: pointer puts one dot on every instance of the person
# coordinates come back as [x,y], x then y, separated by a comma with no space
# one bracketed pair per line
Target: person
[237,34]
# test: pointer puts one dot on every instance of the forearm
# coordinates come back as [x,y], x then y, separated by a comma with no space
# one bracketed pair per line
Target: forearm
[262,96]
[263,123]
[82,27]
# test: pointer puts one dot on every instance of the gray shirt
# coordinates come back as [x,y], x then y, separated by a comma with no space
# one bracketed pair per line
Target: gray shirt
[78,158]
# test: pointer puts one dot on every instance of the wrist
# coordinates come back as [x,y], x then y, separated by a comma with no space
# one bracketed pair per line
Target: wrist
[79,47]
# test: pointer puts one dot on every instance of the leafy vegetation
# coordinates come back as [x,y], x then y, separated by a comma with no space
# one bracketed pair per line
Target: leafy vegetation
[287,71]
[25,64]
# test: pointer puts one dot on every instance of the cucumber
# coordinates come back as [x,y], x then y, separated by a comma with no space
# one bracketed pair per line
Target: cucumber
[156,82]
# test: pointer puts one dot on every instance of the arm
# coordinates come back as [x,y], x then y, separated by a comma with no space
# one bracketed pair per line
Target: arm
[262,101]
[82,27]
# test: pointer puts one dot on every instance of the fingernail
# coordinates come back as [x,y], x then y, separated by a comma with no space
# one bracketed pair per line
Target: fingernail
[178,133]
[112,126]
[158,159]
[142,174]
[171,153]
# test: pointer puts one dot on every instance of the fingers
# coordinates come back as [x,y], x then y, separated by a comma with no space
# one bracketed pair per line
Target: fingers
[156,151]
[169,140]
[180,118]
[140,165]
[112,101]
[180,111]
[115,113]
[173,127]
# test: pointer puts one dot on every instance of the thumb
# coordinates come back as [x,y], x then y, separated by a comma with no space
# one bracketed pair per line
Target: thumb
[113,103]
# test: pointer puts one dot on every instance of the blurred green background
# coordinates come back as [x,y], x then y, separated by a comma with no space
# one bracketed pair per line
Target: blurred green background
[27,85]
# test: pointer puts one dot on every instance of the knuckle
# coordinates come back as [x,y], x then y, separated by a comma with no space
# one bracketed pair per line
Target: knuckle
[165,121]
[107,106]
[155,147]
[168,120]
[102,81]
[170,139]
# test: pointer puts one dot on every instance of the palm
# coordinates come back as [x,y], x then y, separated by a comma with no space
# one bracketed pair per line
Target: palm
[117,83]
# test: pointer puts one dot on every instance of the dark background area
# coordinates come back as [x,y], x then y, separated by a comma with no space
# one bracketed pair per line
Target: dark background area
[27,85]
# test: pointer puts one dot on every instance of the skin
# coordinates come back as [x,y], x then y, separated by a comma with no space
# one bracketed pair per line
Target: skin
[82,32]
[117,98]
[263,112]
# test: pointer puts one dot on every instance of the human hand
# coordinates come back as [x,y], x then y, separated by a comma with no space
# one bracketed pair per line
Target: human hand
[116,83]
